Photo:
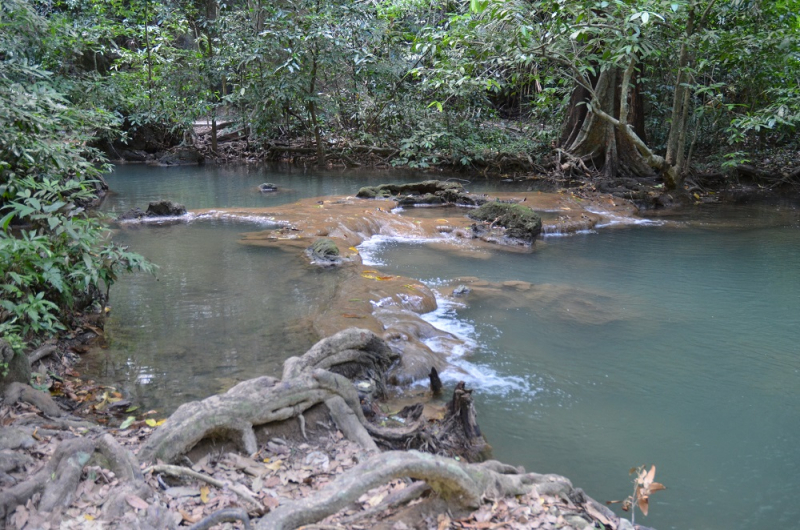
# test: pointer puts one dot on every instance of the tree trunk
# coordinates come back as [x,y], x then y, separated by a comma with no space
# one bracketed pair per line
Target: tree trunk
[676,142]
[595,140]
[312,112]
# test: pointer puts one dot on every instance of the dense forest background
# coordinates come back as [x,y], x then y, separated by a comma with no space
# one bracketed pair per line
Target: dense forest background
[671,91]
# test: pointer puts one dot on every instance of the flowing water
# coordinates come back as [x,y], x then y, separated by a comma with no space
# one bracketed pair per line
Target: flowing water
[674,345]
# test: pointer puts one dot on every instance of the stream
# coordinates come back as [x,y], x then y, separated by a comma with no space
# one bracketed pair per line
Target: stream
[672,343]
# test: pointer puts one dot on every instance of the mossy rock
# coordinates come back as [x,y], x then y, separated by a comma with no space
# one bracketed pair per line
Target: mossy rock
[413,188]
[325,252]
[520,222]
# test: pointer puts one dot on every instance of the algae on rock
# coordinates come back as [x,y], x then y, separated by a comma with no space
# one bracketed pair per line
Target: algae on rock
[520,222]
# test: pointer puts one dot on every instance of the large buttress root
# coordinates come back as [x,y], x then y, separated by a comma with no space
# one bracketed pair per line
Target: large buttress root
[463,486]
[354,353]
[252,403]
[308,380]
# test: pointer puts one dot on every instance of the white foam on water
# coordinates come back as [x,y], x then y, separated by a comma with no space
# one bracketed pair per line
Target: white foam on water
[239,217]
[209,215]
[370,248]
[567,234]
[612,219]
[475,375]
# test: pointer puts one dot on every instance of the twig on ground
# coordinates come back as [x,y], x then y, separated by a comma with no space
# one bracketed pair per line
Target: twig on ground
[180,471]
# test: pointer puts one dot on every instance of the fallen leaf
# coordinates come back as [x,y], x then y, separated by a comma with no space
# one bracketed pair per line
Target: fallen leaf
[20,516]
[376,500]
[187,517]
[204,494]
[182,491]
[127,423]
[137,502]
[274,466]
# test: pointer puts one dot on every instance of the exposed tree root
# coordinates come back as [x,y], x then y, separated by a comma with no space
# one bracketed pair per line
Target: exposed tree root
[57,481]
[404,496]
[41,400]
[228,515]
[464,486]
[252,403]
[354,353]
[41,353]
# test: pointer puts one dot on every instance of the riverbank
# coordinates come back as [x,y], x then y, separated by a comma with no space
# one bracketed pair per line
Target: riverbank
[767,172]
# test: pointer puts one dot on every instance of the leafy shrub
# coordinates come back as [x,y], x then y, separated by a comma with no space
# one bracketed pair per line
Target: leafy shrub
[55,259]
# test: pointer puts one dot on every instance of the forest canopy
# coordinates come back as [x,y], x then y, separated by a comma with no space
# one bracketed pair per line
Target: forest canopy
[661,90]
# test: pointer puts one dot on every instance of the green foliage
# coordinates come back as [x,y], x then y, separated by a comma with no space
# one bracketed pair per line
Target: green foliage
[54,258]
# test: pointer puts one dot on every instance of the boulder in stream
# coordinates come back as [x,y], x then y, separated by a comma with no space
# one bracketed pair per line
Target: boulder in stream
[324,252]
[267,187]
[521,224]
[165,209]
[425,193]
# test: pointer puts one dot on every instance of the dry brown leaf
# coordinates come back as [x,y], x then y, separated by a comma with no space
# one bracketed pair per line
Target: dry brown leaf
[597,515]
[20,517]
[137,502]
[189,518]
[274,466]
[643,504]
[376,500]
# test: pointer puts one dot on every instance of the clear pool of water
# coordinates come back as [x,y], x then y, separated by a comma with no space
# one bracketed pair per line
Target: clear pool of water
[685,354]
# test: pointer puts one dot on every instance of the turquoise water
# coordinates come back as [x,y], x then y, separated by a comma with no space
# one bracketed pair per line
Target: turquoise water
[698,372]
[674,345]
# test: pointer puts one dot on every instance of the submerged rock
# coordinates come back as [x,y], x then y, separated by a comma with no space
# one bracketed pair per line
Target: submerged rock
[267,187]
[520,222]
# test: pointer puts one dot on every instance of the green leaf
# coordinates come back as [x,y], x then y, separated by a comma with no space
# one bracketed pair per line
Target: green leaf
[7,220]
[478,6]
[128,422]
